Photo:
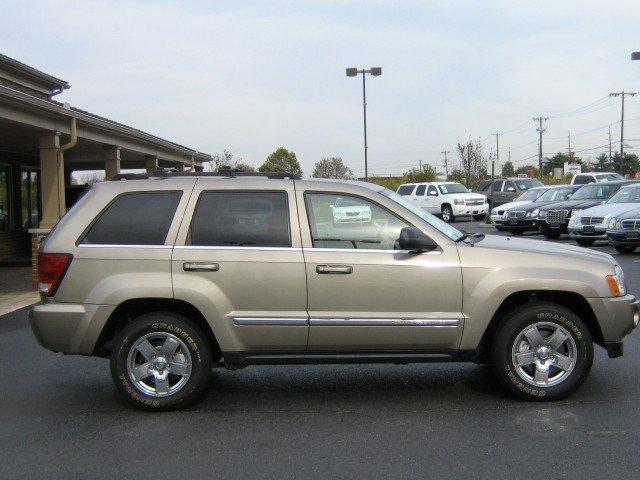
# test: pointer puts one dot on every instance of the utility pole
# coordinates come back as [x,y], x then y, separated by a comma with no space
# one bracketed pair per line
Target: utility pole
[420,163]
[570,154]
[609,143]
[540,130]
[622,95]
[497,157]
[446,165]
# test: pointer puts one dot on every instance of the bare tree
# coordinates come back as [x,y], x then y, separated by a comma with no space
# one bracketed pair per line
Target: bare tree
[472,161]
[332,167]
[222,161]
[89,178]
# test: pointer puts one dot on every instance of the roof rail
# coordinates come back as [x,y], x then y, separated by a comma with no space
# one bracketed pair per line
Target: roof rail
[170,173]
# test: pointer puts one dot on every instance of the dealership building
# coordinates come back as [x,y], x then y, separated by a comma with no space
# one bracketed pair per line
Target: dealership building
[43,141]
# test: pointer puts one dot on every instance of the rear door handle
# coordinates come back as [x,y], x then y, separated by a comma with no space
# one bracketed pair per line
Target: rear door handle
[334,269]
[200,267]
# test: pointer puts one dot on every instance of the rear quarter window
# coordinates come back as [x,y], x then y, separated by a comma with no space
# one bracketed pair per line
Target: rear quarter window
[136,218]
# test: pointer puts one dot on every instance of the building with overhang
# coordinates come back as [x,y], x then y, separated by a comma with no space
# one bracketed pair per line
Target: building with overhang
[43,141]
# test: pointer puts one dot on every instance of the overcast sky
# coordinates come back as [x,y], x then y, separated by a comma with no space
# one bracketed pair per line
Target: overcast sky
[250,76]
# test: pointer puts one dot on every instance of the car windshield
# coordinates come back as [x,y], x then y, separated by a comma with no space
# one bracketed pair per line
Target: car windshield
[609,177]
[626,195]
[556,195]
[527,183]
[594,191]
[452,188]
[442,227]
[530,195]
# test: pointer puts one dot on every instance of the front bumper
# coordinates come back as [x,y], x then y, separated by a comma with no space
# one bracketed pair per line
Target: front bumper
[617,317]
[520,223]
[466,210]
[68,328]
[622,237]
[597,232]
[553,227]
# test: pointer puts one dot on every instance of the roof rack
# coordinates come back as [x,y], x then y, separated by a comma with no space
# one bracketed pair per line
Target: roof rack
[170,173]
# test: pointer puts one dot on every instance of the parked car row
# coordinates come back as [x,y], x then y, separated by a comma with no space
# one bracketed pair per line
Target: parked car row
[596,211]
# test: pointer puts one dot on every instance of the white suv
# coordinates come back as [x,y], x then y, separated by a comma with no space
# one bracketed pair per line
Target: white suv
[595,177]
[449,199]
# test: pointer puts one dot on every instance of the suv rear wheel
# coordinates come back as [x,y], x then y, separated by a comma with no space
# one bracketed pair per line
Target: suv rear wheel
[625,248]
[542,351]
[161,361]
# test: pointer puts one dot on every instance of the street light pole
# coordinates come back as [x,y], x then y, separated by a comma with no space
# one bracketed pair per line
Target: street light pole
[376,72]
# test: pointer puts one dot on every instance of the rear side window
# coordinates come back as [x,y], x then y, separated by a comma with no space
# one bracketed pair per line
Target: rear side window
[137,218]
[497,186]
[241,219]
[420,190]
[406,189]
[582,179]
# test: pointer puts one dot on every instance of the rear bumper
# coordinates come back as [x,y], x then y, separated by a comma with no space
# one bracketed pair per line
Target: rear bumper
[617,317]
[68,328]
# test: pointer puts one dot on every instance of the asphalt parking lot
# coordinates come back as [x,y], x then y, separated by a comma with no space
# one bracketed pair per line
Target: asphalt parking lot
[60,417]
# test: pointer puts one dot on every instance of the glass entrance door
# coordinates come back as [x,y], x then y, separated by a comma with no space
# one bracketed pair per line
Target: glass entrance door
[30,197]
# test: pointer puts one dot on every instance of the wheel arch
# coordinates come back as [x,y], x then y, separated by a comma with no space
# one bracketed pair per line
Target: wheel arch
[130,309]
[570,300]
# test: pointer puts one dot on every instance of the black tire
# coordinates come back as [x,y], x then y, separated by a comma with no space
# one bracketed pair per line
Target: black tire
[552,234]
[499,228]
[515,323]
[585,242]
[625,248]
[447,214]
[479,217]
[193,339]
[516,231]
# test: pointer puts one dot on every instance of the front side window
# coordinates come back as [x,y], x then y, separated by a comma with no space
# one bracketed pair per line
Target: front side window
[509,186]
[353,224]
[228,218]
[497,186]
[137,218]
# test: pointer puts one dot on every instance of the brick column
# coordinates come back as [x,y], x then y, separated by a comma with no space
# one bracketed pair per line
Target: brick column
[111,161]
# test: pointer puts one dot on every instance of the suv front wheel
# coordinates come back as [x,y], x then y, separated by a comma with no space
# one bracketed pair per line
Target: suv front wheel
[542,351]
[161,361]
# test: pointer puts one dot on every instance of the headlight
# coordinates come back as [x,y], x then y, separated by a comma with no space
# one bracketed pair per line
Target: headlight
[618,225]
[535,212]
[458,201]
[574,220]
[611,223]
[528,214]
[616,282]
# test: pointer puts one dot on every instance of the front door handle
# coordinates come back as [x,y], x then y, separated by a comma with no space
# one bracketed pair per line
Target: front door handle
[334,269]
[200,267]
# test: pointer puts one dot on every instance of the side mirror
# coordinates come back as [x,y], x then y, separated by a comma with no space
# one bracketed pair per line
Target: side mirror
[414,240]
[432,193]
[511,189]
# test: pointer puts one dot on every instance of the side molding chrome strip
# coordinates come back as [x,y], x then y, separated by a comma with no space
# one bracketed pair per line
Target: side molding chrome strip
[384,322]
[270,321]
[248,249]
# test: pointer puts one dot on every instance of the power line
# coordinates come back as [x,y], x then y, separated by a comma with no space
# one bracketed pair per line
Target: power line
[622,95]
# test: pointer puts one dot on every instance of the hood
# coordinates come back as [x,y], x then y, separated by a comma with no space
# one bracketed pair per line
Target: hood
[507,206]
[573,204]
[525,245]
[535,205]
[633,213]
[608,209]
[466,196]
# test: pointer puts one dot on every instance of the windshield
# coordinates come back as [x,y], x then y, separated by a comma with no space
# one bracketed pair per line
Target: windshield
[556,195]
[452,188]
[609,177]
[594,191]
[527,183]
[626,195]
[530,195]
[436,223]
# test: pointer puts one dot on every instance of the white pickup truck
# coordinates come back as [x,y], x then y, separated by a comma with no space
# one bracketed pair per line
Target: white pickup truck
[448,199]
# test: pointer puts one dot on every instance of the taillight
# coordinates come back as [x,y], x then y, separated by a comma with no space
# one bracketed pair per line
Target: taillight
[51,270]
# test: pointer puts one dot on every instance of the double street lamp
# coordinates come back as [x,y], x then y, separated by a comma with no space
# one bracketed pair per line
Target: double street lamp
[353,72]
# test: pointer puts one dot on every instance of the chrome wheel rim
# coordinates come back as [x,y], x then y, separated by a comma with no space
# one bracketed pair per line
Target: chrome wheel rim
[544,354]
[159,364]
[446,216]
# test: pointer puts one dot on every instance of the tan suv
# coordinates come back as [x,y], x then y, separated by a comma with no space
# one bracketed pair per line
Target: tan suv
[169,275]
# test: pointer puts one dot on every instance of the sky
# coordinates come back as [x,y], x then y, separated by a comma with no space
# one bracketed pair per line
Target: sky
[251,76]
